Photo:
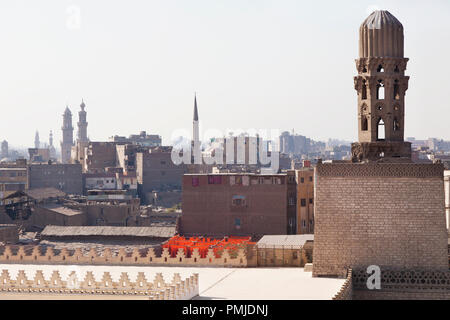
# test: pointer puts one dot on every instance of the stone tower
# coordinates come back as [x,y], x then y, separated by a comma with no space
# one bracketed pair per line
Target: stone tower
[67,142]
[82,124]
[4,150]
[51,148]
[381,85]
[37,143]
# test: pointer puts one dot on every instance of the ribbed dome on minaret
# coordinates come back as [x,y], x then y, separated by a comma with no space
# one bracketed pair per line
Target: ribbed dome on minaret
[381,35]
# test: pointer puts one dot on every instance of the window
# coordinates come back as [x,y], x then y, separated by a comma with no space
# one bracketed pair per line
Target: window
[311,200]
[238,201]
[195,182]
[302,180]
[291,201]
[364,90]
[380,130]
[214,179]
[310,178]
[396,125]
[380,68]
[380,90]
[303,202]
[364,123]
[237,222]
[396,69]
[396,90]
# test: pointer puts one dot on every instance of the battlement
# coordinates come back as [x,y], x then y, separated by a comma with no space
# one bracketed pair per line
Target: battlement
[104,287]
[37,255]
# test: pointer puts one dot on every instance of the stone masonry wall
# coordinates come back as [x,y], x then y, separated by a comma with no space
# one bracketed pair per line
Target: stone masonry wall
[390,215]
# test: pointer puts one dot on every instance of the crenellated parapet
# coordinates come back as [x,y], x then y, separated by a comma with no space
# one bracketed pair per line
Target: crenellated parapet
[46,255]
[87,286]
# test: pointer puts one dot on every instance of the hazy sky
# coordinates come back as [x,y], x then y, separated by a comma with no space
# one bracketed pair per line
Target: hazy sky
[264,64]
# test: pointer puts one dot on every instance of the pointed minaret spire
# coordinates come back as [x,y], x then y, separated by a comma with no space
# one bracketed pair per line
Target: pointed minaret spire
[195,108]
[196,152]
[37,143]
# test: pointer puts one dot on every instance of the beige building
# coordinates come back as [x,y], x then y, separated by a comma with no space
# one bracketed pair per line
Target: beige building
[447,197]
[305,200]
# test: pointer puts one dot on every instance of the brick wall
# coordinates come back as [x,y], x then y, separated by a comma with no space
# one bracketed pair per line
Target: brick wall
[228,208]
[388,215]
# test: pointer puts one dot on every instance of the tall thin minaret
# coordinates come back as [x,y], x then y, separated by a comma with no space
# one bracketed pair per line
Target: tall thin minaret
[67,142]
[196,151]
[82,124]
[50,139]
[37,143]
[51,148]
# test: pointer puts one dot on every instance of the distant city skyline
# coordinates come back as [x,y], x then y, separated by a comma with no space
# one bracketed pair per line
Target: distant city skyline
[254,64]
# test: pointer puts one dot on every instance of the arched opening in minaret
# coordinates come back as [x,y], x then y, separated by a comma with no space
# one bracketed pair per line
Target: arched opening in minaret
[397,70]
[364,90]
[381,130]
[380,90]
[364,123]
[396,125]
[380,68]
[396,90]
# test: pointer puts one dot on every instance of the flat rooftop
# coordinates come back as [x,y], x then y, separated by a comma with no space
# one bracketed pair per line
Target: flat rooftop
[108,231]
[215,283]
[62,210]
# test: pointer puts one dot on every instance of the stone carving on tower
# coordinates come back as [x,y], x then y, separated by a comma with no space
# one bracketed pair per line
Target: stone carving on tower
[381,85]
[67,131]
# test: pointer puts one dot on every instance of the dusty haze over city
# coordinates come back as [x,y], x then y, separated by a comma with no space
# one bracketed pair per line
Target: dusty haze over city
[254,64]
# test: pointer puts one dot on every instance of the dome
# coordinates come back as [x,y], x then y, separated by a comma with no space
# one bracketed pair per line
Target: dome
[381,35]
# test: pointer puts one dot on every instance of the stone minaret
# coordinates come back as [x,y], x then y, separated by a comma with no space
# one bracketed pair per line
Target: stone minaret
[381,85]
[51,148]
[196,145]
[82,124]
[67,131]
[37,143]
[4,150]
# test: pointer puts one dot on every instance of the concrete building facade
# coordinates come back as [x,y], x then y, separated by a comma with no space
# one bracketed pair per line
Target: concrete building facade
[65,177]
[155,171]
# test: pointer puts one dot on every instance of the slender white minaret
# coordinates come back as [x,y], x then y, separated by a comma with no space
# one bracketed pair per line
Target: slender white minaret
[37,143]
[196,151]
